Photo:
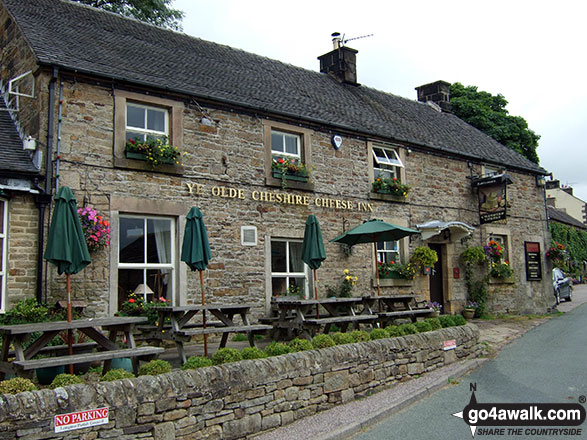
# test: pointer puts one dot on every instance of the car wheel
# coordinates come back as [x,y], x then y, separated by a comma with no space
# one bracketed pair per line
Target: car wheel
[570,297]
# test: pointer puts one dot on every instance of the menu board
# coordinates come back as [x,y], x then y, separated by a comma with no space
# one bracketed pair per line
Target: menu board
[533,263]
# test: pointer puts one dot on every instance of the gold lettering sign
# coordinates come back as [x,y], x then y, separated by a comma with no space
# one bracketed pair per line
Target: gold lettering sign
[196,189]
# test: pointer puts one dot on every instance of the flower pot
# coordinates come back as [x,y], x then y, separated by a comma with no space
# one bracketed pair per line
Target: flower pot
[435,314]
[46,375]
[469,314]
[142,156]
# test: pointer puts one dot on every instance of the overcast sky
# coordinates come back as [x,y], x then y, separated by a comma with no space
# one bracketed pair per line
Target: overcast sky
[532,52]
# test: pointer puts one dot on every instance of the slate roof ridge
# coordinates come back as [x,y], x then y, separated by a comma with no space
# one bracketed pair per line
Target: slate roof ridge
[127,50]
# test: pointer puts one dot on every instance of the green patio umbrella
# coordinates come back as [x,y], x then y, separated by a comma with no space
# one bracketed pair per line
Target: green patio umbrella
[195,252]
[373,231]
[313,253]
[66,245]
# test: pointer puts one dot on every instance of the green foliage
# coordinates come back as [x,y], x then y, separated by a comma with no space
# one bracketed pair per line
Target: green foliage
[322,341]
[394,331]
[156,12]
[253,353]
[474,255]
[277,349]
[298,344]
[423,256]
[408,329]
[447,320]
[388,185]
[434,323]
[501,270]
[226,355]
[575,246]
[397,270]
[194,362]
[459,320]
[379,333]
[155,367]
[340,338]
[136,305]
[116,374]
[423,326]
[360,336]
[64,379]
[488,114]
[16,385]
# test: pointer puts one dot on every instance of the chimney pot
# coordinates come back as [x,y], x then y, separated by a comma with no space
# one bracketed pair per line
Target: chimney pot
[437,92]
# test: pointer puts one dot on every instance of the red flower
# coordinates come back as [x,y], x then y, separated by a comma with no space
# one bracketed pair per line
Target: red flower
[131,300]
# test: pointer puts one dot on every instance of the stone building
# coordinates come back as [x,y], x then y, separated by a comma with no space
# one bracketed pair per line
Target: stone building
[101,79]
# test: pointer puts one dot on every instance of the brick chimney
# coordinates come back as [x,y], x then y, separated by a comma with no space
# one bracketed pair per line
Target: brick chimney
[341,62]
[438,92]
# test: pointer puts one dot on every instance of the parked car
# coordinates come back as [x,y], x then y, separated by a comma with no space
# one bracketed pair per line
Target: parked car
[562,285]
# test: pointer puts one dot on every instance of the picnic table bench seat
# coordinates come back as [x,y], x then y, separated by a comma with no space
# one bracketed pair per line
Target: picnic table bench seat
[340,319]
[137,352]
[234,329]
[79,347]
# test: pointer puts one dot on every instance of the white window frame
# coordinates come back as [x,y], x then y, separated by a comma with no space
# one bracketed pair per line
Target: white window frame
[4,250]
[388,250]
[146,131]
[287,275]
[284,153]
[149,266]
[387,164]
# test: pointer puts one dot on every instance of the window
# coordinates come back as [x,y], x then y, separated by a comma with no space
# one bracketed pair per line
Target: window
[388,251]
[386,163]
[290,143]
[145,116]
[3,250]
[503,242]
[288,271]
[144,122]
[285,144]
[146,257]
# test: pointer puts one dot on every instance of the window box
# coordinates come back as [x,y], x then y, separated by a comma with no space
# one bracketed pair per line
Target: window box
[509,280]
[141,156]
[288,176]
[387,197]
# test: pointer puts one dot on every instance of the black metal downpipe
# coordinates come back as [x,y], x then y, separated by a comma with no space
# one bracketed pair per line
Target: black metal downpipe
[44,199]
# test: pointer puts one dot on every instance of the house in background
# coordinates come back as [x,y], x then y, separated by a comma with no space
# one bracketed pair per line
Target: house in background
[562,199]
[102,80]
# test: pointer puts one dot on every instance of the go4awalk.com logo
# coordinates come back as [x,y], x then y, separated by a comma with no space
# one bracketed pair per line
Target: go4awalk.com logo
[548,420]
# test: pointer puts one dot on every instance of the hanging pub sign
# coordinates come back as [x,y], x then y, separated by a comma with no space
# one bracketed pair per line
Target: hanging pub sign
[492,197]
[533,263]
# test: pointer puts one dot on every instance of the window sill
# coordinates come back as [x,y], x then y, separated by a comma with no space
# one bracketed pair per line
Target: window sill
[392,282]
[291,184]
[141,165]
[388,197]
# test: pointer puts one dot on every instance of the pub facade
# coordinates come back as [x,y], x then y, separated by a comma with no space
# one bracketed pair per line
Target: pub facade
[257,145]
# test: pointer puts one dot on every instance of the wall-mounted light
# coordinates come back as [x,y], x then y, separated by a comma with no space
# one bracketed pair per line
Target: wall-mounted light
[540,181]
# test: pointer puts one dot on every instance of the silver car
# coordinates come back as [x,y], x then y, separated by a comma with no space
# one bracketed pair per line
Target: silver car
[562,285]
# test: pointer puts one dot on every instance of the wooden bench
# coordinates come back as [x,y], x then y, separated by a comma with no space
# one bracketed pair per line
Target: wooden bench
[232,329]
[79,347]
[385,317]
[137,352]
[344,321]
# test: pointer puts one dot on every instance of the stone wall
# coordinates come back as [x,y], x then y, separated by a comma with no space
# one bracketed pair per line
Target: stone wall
[236,400]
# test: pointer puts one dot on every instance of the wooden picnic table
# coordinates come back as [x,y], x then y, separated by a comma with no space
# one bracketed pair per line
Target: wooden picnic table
[299,317]
[175,323]
[393,307]
[44,332]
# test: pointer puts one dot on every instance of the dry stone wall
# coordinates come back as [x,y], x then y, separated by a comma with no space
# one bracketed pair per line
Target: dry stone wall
[234,401]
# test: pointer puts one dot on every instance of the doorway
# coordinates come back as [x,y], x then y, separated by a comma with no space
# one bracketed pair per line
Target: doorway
[436,277]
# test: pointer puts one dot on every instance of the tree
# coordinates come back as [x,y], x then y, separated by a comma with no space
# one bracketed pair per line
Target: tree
[488,113]
[156,12]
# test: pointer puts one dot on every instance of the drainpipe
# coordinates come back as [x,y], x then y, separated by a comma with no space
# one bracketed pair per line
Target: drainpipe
[44,199]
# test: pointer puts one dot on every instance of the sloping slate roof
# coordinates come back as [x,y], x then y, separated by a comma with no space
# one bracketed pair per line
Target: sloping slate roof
[81,38]
[563,217]
[13,159]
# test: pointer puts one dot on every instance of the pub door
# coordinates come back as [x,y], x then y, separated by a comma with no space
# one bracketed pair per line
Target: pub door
[436,278]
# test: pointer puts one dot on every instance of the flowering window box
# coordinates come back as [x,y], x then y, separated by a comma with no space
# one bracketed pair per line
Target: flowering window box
[387,197]
[290,176]
[143,156]
[155,151]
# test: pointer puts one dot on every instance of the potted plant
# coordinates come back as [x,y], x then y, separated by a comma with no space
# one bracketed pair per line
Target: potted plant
[423,257]
[287,168]
[386,185]
[156,151]
[469,310]
[434,306]
[396,270]
[96,229]
[501,270]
